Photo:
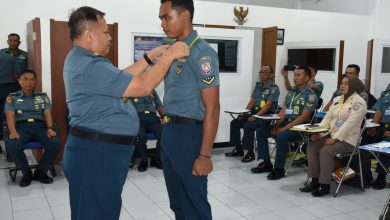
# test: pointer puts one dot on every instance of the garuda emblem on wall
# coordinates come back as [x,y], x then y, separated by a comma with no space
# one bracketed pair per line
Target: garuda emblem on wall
[240,14]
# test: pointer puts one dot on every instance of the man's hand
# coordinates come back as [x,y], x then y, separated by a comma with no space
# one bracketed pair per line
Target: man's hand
[251,118]
[330,141]
[51,133]
[277,130]
[371,132]
[284,72]
[178,50]
[14,135]
[315,137]
[202,166]
[157,52]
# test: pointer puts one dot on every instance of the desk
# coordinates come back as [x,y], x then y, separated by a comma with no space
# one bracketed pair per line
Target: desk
[237,111]
[375,149]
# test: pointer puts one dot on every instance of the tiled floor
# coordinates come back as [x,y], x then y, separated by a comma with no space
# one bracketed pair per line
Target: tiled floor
[234,193]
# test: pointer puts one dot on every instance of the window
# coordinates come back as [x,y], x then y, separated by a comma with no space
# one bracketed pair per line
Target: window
[322,58]
[386,60]
[227,51]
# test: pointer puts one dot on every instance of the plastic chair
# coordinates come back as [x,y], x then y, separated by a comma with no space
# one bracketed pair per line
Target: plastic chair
[32,145]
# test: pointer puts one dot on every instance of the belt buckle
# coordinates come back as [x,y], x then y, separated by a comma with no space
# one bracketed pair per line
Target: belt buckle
[166,120]
[30,120]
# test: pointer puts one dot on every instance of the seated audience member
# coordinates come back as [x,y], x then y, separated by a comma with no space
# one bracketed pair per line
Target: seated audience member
[344,120]
[298,108]
[264,100]
[29,118]
[316,86]
[147,108]
[382,117]
[353,69]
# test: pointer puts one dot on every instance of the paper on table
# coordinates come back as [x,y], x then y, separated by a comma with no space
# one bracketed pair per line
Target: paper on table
[267,117]
[309,128]
[383,144]
[237,110]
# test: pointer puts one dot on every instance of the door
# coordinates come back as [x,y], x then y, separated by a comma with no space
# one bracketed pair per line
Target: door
[61,44]
[268,53]
[341,60]
[370,46]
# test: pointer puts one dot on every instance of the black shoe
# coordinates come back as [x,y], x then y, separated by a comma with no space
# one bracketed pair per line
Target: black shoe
[263,167]
[276,174]
[249,157]
[132,162]
[235,153]
[42,177]
[143,166]
[380,182]
[26,180]
[312,186]
[322,190]
[154,162]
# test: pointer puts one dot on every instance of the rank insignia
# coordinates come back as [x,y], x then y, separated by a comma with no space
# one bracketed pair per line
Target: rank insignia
[208,80]
[179,69]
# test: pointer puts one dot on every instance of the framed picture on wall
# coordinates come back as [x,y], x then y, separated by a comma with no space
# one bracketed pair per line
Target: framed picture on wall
[280,37]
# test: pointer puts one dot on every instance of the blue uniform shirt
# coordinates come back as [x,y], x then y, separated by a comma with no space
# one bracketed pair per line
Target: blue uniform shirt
[27,107]
[147,103]
[298,100]
[320,87]
[187,77]
[383,105]
[20,57]
[94,89]
[7,67]
[264,92]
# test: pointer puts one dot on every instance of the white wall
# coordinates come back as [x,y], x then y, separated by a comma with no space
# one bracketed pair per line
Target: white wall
[299,25]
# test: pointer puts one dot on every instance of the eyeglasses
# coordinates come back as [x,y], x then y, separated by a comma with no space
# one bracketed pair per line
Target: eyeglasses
[261,72]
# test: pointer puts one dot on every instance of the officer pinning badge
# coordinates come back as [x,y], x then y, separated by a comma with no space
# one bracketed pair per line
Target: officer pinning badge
[356,106]
[179,69]
[9,99]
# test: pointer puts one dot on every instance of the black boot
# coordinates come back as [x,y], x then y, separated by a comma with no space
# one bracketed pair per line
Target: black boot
[313,185]
[249,157]
[236,152]
[263,167]
[276,174]
[42,177]
[155,162]
[380,182]
[143,166]
[322,190]
[26,179]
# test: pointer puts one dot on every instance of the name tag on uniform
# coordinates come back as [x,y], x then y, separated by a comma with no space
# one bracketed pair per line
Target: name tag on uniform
[387,112]
[289,111]
[296,110]
[262,103]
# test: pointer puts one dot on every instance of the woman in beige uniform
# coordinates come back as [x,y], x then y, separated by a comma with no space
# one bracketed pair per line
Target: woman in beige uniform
[344,120]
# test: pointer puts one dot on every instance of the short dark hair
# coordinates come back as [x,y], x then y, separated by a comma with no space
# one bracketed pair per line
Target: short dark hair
[79,17]
[27,71]
[305,69]
[313,67]
[14,35]
[181,5]
[357,67]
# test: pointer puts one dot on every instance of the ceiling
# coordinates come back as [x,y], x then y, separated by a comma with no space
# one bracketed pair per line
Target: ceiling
[360,7]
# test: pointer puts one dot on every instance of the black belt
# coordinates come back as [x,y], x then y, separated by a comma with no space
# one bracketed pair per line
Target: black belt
[180,120]
[30,120]
[108,138]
